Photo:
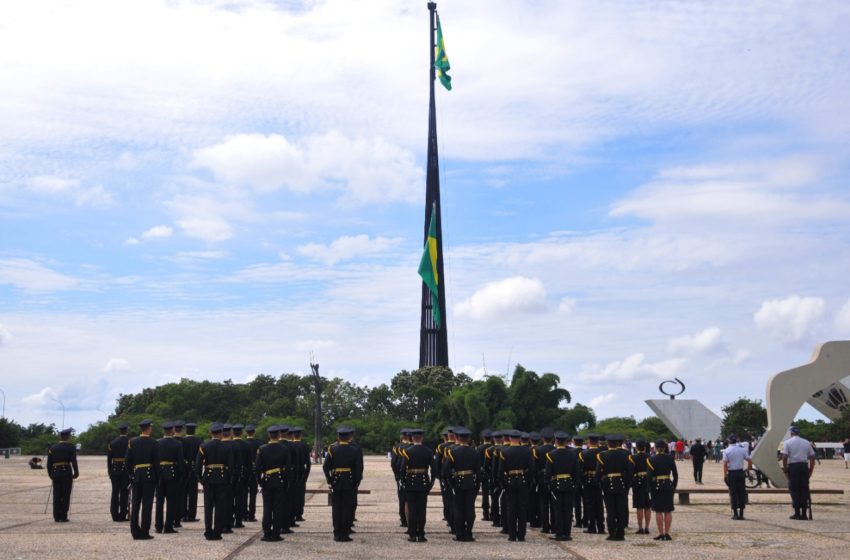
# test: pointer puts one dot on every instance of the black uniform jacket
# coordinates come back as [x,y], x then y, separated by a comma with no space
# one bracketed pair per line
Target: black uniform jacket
[461,467]
[343,466]
[116,451]
[214,463]
[561,473]
[62,460]
[417,468]
[516,461]
[171,462]
[587,460]
[142,459]
[663,465]
[614,470]
[273,465]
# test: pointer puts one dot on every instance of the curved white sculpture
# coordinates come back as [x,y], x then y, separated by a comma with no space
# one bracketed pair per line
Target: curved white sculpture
[818,383]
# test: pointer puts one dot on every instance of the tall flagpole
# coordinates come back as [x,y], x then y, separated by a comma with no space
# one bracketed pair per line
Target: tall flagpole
[433,339]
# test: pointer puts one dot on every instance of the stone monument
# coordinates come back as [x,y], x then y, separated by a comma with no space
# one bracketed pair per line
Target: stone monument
[686,418]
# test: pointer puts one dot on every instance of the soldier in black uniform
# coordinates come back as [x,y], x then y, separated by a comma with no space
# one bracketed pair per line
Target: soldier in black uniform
[250,431]
[115,453]
[141,463]
[484,475]
[578,495]
[640,487]
[663,479]
[170,466]
[214,468]
[461,470]
[246,460]
[594,513]
[417,479]
[561,476]
[186,468]
[303,472]
[359,450]
[544,506]
[343,468]
[698,459]
[291,477]
[396,463]
[272,468]
[445,492]
[516,471]
[233,477]
[614,472]
[62,469]
[191,445]
[491,462]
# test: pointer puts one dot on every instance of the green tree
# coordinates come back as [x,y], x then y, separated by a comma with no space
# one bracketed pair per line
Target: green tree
[655,428]
[417,391]
[745,418]
[535,399]
[10,433]
[577,419]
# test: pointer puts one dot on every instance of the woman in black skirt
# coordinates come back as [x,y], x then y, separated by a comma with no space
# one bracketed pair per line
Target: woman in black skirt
[663,478]
[640,487]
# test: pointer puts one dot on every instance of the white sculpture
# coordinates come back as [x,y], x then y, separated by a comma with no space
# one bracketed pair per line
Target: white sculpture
[819,383]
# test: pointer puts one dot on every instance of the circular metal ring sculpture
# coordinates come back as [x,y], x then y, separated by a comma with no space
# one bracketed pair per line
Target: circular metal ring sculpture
[675,381]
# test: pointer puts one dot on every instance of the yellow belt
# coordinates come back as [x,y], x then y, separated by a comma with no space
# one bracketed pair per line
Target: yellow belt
[215,466]
[342,470]
[142,466]
[562,476]
[167,463]
[463,473]
[61,464]
[589,471]
[640,473]
[612,475]
[272,471]
[517,471]
[417,471]
[118,460]
[663,477]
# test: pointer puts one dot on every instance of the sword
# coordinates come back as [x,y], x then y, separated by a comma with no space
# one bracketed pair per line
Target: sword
[49,492]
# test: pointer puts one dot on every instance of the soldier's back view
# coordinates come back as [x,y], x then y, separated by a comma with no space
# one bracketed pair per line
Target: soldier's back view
[214,468]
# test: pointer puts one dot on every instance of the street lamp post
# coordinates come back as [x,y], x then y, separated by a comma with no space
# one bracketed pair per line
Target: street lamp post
[4,403]
[63,410]
[317,386]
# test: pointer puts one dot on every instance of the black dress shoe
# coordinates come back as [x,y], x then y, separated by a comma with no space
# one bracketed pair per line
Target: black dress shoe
[252,519]
[422,539]
[411,539]
[213,537]
[668,538]
[590,531]
[345,539]
[299,518]
[145,537]
[295,525]
[158,531]
[512,539]
[402,524]
[267,538]
[227,531]
[170,532]
[521,539]
[239,526]
[545,532]
[658,538]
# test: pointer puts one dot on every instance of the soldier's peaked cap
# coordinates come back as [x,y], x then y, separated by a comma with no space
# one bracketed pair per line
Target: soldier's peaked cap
[296,430]
[578,438]
[273,429]
[547,433]
[168,426]
[534,435]
[282,428]
[594,437]
[416,431]
[405,431]
[461,431]
[179,423]
[250,428]
[123,426]
[145,423]
[524,435]
[227,426]
[238,427]
[486,432]
[66,432]
[615,437]
[344,430]
[216,427]
[515,434]
[191,425]
[561,436]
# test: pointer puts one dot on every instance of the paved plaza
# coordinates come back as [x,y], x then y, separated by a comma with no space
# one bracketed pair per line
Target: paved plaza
[702,529]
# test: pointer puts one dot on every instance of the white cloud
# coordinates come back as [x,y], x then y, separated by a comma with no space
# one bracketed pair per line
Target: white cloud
[117,365]
[348,247]
[599,400]
[132,241]
[5,335]
[49,184]
[94,196]
[158,232]
[633,367]
[40,399]
[514,295]
[790,319]
[703,342]
[31,276]
[309,345]
[842,319]
[365,170]
[567,305]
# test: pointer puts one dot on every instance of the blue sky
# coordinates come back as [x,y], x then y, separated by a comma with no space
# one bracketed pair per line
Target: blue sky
[631,192]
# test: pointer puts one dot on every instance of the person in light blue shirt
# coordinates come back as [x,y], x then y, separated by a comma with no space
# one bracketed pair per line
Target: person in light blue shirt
[734,458]
[798,463]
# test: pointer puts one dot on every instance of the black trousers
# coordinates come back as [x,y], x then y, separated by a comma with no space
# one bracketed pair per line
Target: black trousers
[495,501]
[698,463]
[485,499]
[798,486]
[444,495]
[533,506]
[737,489]
[578,499]
[167,508]
[191,509]
[402,503]
[120,498]
[216,500]
[228,507]
[342,504]
[417,503]
[617,509]
[545,508]
[240,500]
[562,509]
[140,512]
[516,504]
[273,498]
[463,511]
[253,490]
[594,512]
[301,497]
[62,486]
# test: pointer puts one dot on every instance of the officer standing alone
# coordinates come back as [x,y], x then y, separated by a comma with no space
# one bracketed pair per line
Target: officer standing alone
[63,470]
[698,454]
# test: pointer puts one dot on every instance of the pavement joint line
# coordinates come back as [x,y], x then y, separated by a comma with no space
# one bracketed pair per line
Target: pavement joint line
[236,551]
[561,544]
[46,517]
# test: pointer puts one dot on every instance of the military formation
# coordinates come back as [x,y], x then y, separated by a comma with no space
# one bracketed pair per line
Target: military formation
[545,480]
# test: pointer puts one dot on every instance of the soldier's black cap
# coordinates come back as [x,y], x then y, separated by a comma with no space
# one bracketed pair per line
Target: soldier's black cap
[191,425]
[640,443]
[660,444]
[216,427]
[496,433]
[534,435]
[179,423]
[123,426]
[296,430]
[463,432]
[733,438]
[523,435]
[66,432]
[237,428]
[450,429]
[250,428]
[547,433]
[405,431]
[273,429]
[227,427]
[561,436]
[345,430]
[486,432]
[145,423]
[168,426]
[416,431]
[594,437]
[515,434]
[578,439]
[283,428]
[615,437]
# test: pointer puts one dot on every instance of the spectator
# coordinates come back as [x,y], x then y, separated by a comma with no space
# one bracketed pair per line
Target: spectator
[680,449]
[846,452]
[35,463]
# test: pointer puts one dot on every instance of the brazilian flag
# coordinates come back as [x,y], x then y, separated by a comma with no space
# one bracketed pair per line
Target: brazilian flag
[428,267]
[441,61]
